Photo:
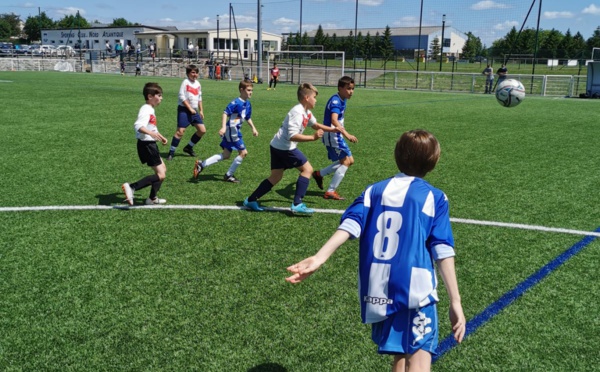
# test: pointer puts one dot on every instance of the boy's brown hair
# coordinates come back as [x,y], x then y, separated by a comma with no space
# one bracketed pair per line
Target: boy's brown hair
[304,89]
[151,89]
[190,68]
[245,84]
[345,80]
[417,152]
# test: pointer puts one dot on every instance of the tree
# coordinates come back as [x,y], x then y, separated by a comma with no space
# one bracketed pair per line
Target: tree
[11,25]
[565,48]
[120,22]
[579,45]
[594,40]
[34,25]
[72,21]
[387,47]
[305,39]
[5,29]
[435,48]
[472,48]
[319,38]
[368,46]
[551,42]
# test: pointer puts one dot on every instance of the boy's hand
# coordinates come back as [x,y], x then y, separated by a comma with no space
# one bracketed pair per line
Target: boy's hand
[222,132]
[318,134]
[192,111]
[457,319]
[159,137]
[303,269]
[254,132]
[352,138]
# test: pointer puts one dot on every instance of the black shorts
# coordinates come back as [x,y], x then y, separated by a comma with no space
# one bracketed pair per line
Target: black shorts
[148,153]
[287,159]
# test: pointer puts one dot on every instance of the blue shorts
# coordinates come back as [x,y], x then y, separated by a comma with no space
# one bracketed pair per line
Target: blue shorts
[185,118]
[338,153]
[287,159]
[407,331]
[238,145]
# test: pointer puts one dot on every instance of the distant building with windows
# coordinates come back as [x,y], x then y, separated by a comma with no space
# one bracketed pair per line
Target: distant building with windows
[209,42]
[407,38]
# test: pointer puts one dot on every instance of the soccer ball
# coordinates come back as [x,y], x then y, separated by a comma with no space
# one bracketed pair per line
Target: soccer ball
[510,93]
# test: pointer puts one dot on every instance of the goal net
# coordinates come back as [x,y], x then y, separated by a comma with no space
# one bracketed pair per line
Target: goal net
[315,66]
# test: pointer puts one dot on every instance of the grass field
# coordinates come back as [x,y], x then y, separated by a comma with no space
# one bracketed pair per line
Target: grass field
[203,289]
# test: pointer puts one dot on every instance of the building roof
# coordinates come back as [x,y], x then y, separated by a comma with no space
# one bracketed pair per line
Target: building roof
[395,31]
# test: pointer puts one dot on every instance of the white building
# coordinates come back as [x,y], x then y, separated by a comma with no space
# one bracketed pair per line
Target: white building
[219,43]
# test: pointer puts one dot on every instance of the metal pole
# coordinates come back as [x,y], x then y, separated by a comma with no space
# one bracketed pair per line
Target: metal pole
[419,45]
[259,41]
[300,23]
[355,34]
[230,41]
[442,43]
[218,40]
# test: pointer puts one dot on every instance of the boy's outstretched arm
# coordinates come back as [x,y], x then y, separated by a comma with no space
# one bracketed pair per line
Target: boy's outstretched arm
[457,317]
[306,267]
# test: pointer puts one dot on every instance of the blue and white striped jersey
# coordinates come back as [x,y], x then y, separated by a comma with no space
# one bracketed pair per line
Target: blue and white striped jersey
[238,110]
[334,105]
[404,225]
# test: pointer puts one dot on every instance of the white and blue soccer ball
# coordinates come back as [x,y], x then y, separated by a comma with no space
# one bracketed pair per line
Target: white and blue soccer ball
[510,93]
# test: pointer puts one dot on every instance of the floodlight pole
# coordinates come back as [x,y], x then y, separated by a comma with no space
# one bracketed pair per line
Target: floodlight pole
[259,41]
[218,40]
[300,24]
[442,42]
[355,36]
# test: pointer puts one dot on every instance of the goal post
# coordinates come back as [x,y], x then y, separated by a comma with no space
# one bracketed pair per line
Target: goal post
[314,66]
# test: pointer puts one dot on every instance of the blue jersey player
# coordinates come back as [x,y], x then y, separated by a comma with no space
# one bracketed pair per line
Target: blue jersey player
[403,224]
[337,148]
[238,111]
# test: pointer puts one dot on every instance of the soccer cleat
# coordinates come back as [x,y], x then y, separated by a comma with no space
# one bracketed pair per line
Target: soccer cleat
[318,178]
[155,201]
[231,178]
[170,157]
[302,209]
[128,193]
[333,195]
[189,150]
[252,205]
[198,168]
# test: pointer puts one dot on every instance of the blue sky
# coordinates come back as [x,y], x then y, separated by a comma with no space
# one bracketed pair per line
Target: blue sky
[488,19]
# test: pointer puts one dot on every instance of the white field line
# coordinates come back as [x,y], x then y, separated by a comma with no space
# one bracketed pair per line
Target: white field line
[271,209]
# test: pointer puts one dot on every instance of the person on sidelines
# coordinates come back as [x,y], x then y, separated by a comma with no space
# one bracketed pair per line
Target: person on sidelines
[502,74]
[337,148]
[147,134]
[403,224]
[236,112]
[189,112]
[274,72]
[489,79]
[285,153]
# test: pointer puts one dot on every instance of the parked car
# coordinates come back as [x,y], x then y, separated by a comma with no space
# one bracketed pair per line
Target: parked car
[45,50]
[65,50]
[22,49]
[6,49]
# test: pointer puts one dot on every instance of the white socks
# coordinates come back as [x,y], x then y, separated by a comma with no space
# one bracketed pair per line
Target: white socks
[338,176]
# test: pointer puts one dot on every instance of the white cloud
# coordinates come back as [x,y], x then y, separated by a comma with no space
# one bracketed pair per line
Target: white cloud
[506,25]
[285,22]
[70,11]
[592,9]
[488,4]
[556,15]
[408,21]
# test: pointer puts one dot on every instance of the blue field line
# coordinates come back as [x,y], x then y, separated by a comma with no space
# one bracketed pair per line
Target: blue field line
[494,309]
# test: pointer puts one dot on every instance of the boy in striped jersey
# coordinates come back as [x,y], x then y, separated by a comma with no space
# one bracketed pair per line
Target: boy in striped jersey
[403,224]
[238,111]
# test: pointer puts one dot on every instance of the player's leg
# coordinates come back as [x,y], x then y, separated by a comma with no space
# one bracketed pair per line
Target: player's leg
[234,166]
[200,131]
[160,171]
[302,183]
[345,160]
[183,121]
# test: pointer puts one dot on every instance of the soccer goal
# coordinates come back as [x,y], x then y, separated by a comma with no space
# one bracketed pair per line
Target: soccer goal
[313,66]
